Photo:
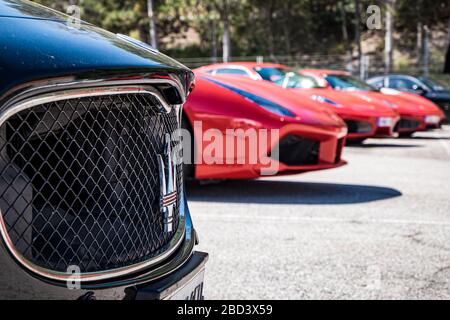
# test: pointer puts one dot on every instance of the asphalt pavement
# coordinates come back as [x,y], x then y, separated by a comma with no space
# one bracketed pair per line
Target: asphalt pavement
[378,228]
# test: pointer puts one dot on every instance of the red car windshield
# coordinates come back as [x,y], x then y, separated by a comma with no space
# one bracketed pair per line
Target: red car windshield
[344,82]
[287,78]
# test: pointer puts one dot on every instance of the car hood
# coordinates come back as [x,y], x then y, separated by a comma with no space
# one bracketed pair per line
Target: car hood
[421,105]
[350,104]
[37,43]
[403,103]
[306,110]
[427,106]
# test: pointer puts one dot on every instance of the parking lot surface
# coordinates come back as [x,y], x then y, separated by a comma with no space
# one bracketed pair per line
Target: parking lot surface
[378,228]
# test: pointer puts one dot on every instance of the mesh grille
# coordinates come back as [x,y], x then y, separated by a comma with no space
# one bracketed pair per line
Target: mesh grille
[298,151]
[79,182]
[406,123]
[358,126]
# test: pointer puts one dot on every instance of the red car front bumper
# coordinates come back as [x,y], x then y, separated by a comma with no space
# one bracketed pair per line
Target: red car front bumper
[362,127]
[316,147]
[415,123]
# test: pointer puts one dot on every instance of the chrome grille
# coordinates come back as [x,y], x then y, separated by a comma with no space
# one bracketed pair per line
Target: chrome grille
[79,182]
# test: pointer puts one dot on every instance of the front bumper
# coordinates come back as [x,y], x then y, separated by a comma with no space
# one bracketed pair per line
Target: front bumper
[434,121]
[331,143]
[167,286]
[331,140]
[417,123]
[367,127]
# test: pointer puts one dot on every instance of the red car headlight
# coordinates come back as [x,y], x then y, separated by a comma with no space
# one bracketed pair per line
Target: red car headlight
[432,119]
[385,122]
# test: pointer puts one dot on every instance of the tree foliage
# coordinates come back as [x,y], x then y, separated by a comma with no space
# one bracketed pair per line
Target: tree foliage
[262,27]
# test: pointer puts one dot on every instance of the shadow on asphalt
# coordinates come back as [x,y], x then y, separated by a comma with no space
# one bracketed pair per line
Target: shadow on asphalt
[424,138]
[286,192]
[384,145]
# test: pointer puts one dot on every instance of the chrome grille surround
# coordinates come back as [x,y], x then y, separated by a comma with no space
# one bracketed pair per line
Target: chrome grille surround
[121,268]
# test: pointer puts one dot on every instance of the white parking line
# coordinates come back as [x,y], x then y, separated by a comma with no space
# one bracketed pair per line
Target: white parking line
[231,217]
[442,142]
[446,146]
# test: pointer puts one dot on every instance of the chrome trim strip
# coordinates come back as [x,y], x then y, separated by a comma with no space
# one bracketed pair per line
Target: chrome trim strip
[137,43]
[71,94]
[177,239]
[36,88]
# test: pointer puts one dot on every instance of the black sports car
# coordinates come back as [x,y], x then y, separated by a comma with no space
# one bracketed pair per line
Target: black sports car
[92,203]
[423,86]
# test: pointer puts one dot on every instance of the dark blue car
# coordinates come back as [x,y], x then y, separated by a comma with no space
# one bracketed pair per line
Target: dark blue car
[92,204]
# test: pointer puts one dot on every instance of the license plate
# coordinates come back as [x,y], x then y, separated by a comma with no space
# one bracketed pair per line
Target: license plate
[191,290]
[385,122]
[432,119]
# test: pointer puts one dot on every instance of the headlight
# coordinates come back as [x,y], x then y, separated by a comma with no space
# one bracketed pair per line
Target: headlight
[322,99]
[385,122]
[432,119]
[263,103]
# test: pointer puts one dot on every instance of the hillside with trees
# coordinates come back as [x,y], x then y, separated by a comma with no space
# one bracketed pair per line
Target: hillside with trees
[325,30]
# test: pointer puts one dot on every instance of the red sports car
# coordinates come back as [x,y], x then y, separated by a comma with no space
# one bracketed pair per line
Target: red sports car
[364,119]
[417,113]
[243,129]
[433,119]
